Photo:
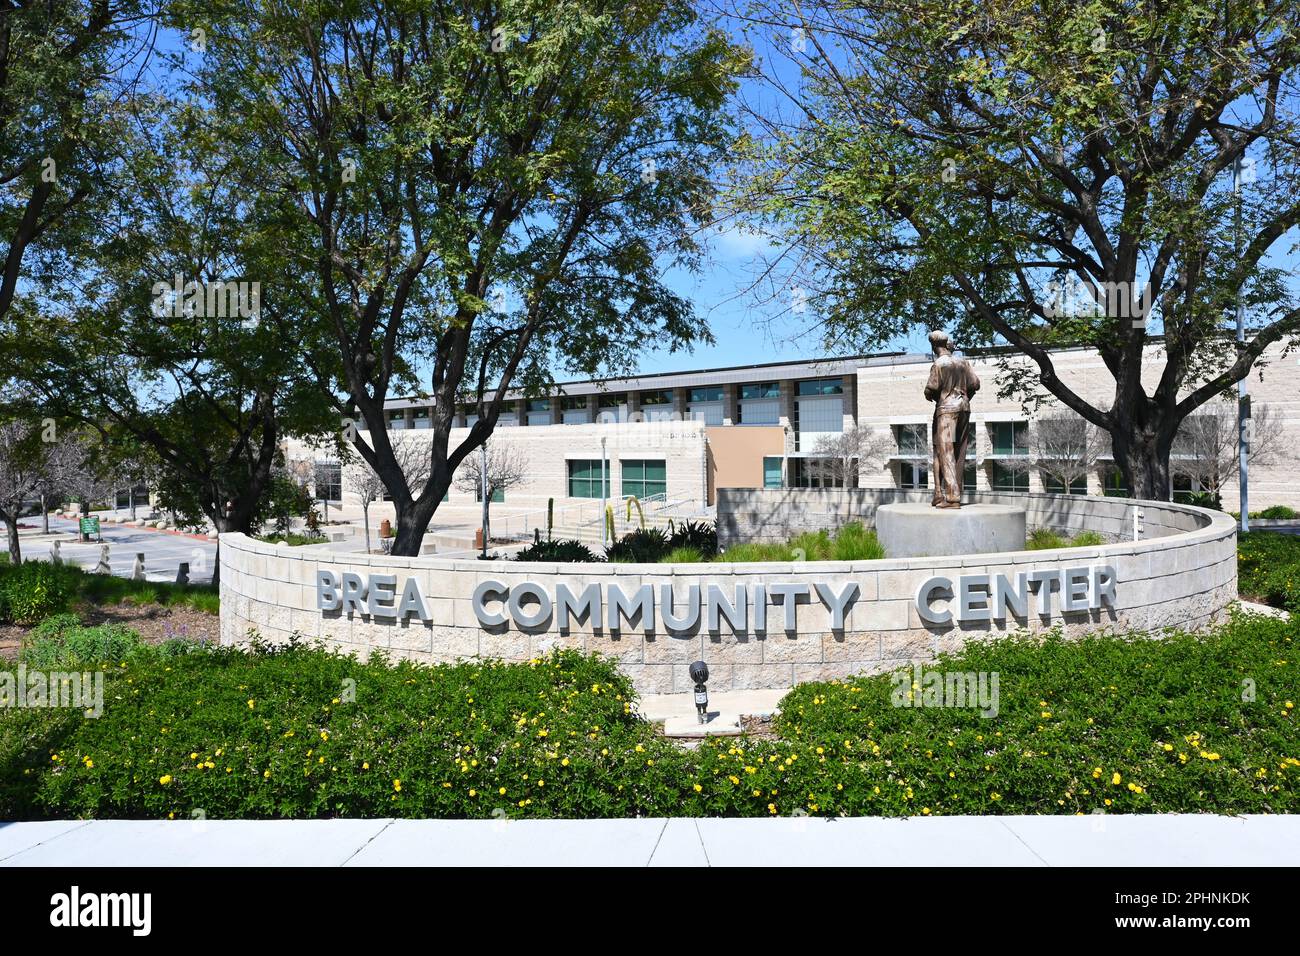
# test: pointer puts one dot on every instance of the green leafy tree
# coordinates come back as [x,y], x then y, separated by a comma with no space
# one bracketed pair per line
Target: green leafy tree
[479,192]
[181,339]
[1040,174]
[67,73]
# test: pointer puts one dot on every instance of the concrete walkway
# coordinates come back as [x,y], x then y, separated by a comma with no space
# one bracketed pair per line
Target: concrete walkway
[1166,840]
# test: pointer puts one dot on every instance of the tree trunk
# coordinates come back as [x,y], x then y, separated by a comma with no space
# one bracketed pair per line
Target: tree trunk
[15,549]
[365,519]
[45,515]
[413,519]
[1142,456]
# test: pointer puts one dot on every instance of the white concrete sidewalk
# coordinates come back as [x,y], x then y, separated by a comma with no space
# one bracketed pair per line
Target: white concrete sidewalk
[1166,840]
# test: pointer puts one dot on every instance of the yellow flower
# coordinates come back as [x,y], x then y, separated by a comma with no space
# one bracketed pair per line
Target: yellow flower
[473,792]
[502,791]
[698,788]
[1116,779]
[397,785]
[366,765]
[564,762]
[165,779]
[251,703]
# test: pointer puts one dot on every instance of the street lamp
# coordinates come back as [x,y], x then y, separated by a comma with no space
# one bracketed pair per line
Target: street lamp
[699,672]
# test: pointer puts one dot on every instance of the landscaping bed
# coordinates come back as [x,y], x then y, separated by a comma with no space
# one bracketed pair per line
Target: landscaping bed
[1202,723]
[1268,569]
[35,590]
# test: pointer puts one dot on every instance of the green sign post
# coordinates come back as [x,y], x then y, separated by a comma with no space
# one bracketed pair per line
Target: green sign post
[89,526]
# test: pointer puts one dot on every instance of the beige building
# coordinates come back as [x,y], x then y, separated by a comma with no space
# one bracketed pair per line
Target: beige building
[672,439]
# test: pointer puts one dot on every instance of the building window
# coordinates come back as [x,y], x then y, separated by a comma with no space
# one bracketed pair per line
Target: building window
[396,420]
[329,481]
[538,411]
[707,393]
[913,440]
[706,404]
[1053,485]
[1010,438]
[1003,478]
[968,477]
[644,478]
[759,404]
[815,473]
[575,410]
[821,386]
[664,397]
[772,472]
[585,479]
[1112,484]
[913,475]
[421,418]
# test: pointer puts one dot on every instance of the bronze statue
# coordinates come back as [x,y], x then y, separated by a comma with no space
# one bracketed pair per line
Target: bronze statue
[951,386]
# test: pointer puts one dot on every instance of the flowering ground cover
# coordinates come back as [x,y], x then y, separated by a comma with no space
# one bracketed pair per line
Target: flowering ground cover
[1105,724]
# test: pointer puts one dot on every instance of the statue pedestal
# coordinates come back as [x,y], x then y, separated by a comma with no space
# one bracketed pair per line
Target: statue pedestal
[914,530]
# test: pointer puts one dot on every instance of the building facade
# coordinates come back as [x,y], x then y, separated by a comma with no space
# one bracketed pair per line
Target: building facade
[674,438]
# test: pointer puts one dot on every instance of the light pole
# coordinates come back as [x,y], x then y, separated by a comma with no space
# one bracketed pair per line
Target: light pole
[604,494]
[1243,398]
[483,493]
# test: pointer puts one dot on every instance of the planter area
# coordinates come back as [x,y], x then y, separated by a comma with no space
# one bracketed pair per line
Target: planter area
[771,624]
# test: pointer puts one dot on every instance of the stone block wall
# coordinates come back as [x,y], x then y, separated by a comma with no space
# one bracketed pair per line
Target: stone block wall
[1183,576]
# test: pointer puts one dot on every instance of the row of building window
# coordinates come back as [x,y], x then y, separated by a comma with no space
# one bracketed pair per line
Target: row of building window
[641,477]
[759,403]
[1009,439]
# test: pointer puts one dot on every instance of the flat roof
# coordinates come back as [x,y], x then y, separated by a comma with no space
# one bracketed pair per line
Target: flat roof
[726,375]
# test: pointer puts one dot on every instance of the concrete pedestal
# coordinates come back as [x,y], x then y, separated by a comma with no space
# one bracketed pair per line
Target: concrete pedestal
[913,529]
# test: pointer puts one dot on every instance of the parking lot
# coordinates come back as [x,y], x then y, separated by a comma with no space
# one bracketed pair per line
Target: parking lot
[163,551]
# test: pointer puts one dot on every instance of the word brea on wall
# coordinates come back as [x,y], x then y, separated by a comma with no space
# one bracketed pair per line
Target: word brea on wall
[744,607]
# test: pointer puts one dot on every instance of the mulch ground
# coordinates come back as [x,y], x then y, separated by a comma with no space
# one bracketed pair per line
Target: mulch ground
[153,622]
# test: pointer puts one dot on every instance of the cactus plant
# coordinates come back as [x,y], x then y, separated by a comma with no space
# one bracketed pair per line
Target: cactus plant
[633,500]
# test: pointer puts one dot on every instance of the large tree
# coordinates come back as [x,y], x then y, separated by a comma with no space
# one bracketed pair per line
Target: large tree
[966,162]
[68,70]
[481,192]
[178,340]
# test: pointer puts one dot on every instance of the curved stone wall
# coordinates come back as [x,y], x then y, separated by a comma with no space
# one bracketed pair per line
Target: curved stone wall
[848,617]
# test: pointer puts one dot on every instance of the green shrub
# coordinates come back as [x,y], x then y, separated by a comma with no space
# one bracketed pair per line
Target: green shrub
[755,551]
[640,546]
[811,546]
[33,590]
[701,536]
[1276,512]
[259,735]
[1087,539]
[294,539]
[1268,568]
[77,646]
[1044,539]
[54,626]
[853,542]
[683,555]
[565,551]
[1106,723]
[69,583]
